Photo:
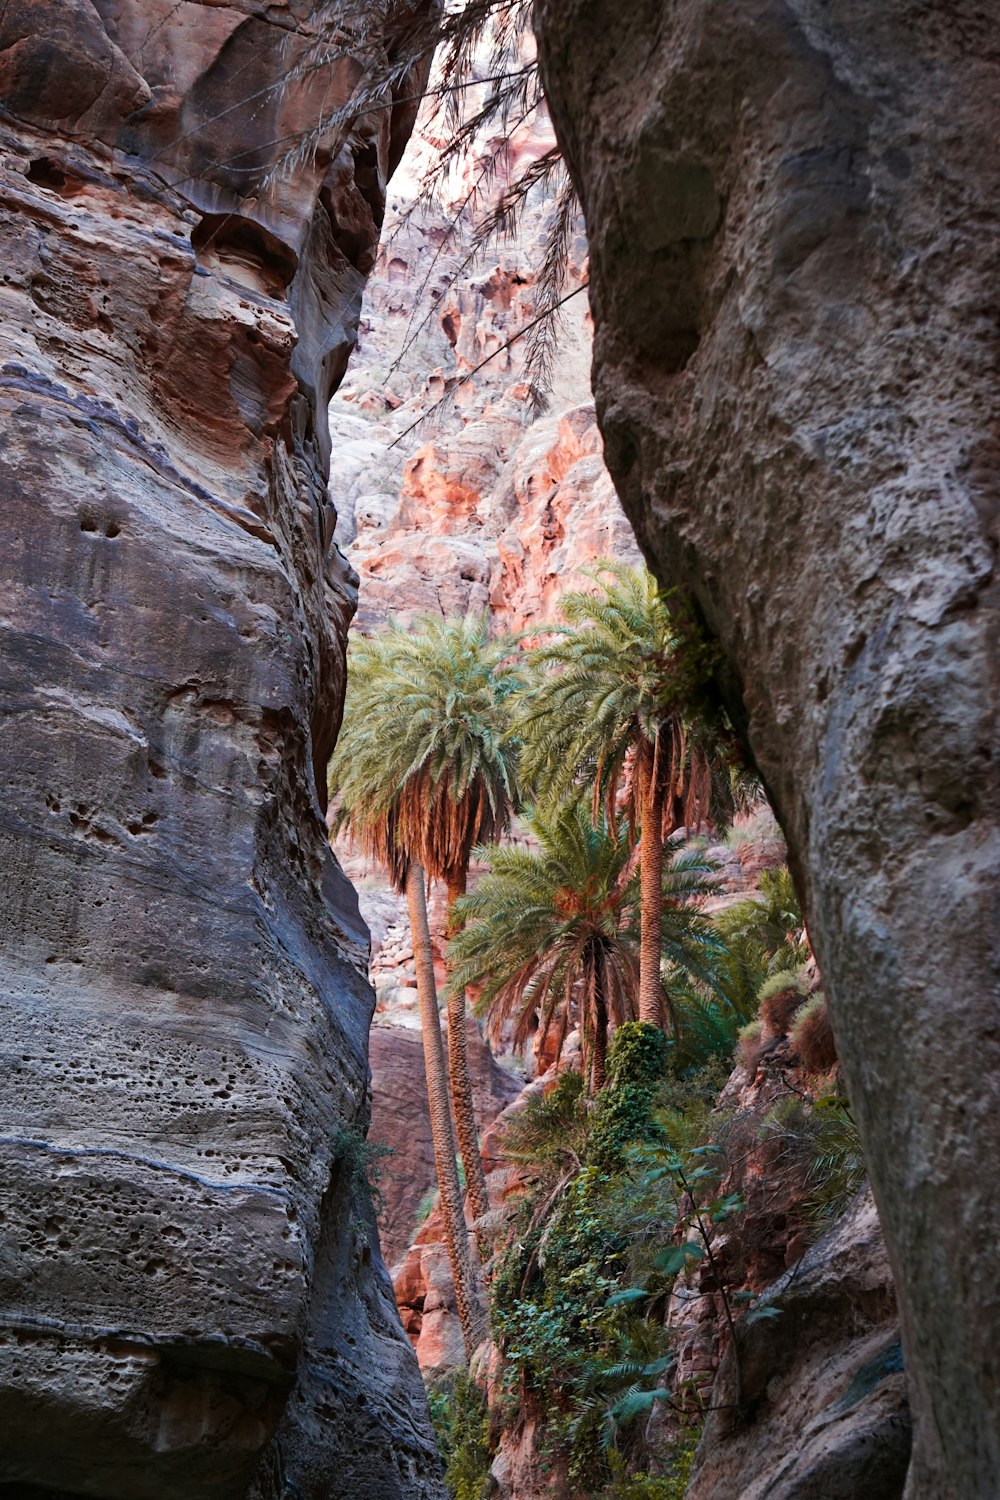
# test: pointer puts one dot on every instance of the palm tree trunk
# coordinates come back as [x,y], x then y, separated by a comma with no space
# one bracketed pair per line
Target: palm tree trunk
[464,1271]
[461,1082]
[651,891]
[599,1067]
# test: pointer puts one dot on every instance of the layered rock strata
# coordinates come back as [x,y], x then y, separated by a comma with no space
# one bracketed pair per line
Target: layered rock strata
[192,1302]
[453,498]
[795,249]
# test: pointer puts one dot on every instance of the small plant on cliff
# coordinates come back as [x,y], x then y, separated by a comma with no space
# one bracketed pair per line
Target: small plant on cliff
[621,694]
[361,1162]
[821,1137]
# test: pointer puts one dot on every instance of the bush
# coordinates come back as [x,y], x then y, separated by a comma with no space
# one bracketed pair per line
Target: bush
[811,1036]
[749,1044]
[637,1064]
[670,1486]
[360,1163]
[462,1427]
[780,997]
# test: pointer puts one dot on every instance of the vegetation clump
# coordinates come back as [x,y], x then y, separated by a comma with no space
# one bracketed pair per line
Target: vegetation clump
[462,1428]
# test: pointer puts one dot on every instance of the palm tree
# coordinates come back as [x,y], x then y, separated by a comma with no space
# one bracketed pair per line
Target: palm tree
[436,739]
[366,810]
[622,696]
[549,935]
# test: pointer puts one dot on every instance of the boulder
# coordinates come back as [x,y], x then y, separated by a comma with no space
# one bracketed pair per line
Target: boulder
[819,1408]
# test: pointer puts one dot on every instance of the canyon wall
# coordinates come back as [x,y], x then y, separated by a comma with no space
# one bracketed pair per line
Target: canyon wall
[192,1301]
[452,496]
[794,221]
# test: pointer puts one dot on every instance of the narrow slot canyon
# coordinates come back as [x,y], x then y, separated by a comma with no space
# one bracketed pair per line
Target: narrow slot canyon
[497,665]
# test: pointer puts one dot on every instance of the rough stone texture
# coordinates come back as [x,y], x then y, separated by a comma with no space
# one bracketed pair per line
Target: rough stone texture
[793,214]
[453,498]
[822,1383]
[192,1302]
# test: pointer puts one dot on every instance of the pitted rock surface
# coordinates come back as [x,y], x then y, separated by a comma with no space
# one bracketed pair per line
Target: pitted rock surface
[794,221]
[192,1301]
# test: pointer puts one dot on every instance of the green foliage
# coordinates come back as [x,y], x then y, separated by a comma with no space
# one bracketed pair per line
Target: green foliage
[548,932]
[462,1427]
[554,934]
[778,982]
[823,1137]
[838,1167]
[360,1163]
[757,944]
[772,921]
[624,675]
[670,1485]
[426,762]
[570,1348]
[550,1132]
[636,1066]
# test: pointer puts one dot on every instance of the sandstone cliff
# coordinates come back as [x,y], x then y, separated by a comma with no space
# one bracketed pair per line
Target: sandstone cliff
[193,1302]
[450,496]
[795,247]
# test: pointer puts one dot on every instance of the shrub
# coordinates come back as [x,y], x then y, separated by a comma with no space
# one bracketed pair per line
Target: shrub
[780,997]
[359,1161]
[811,1036]
[670,1486]
[637,1062]
[462,1427]
[749,1044]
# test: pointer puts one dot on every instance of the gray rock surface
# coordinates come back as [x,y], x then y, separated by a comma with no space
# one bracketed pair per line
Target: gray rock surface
[794,220]
[825,1412]
[192,1301]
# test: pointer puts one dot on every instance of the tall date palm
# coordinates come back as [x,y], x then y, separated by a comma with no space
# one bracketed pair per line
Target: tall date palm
[546,935]
[549,935]
[433,745]
[621,696]
[365,808]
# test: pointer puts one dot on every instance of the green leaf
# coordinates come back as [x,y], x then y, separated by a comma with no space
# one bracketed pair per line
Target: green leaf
[675,1257]
[760,1313]
[629,1294]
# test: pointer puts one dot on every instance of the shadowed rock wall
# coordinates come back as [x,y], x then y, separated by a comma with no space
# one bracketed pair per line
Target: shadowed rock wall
[794,220]
[192,1302]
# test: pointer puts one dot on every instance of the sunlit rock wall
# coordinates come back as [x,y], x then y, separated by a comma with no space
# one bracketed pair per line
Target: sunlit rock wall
[192,1302]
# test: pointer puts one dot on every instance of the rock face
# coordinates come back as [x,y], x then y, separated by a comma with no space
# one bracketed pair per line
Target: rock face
[193,1302]
[822,1383]
[455,499]
[793,215]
